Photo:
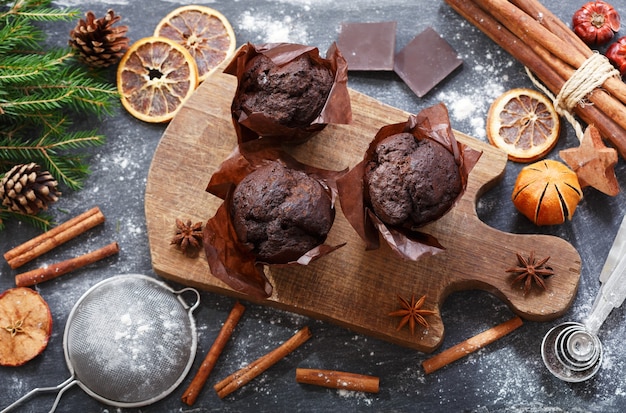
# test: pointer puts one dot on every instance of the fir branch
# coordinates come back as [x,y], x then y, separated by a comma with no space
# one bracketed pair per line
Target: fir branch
[70,171]
[90,94]
[27,67]
[41,91]
[55,88]
[51,151]
[22,126]
[44,14]
[44,101]
[38,10]
[41,221]
[18,35]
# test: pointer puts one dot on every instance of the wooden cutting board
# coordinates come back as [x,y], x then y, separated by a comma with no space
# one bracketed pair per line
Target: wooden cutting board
[350,287]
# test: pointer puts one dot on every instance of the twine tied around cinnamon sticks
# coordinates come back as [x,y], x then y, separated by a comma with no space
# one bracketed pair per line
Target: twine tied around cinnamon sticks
[542,42]
[591,74]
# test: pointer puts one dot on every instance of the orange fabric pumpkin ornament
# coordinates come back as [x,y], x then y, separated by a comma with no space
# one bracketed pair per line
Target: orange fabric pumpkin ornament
[547,192]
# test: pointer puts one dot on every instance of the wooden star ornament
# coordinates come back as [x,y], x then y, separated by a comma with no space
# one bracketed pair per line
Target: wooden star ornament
[593,162]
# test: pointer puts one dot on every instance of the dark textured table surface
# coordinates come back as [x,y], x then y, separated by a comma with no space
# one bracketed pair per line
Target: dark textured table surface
[505,376]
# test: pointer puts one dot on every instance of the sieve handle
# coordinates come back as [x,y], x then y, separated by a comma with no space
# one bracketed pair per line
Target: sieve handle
[60,393]
[61,388]
[191,307]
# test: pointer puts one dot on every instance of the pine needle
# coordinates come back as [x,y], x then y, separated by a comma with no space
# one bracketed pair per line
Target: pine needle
[42,90]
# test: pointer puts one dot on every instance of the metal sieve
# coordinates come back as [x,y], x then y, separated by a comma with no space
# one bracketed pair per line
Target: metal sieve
[129,341]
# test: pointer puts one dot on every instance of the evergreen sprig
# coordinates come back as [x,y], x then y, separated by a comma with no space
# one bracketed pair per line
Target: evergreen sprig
[41,91]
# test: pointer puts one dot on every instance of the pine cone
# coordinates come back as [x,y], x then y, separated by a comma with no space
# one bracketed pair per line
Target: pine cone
[26,189]
[97,42]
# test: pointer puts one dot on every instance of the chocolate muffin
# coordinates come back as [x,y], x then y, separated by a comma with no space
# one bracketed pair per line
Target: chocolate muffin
[281,213]
[292,95]
[411,182]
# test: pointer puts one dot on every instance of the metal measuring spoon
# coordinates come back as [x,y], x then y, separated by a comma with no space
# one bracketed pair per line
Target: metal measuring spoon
[573,351]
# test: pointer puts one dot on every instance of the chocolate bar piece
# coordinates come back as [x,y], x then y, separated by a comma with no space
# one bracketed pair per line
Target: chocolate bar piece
[426,61]
[368,46]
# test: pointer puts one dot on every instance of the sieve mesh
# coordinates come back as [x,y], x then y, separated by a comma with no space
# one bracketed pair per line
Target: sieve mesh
[130,340]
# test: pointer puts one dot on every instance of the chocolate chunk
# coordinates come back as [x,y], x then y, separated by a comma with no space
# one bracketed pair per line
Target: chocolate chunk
[368,46]
[426,61]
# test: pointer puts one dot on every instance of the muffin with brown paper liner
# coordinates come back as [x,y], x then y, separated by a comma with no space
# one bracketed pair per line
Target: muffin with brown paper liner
[276,211]
[412,174]
[288,91]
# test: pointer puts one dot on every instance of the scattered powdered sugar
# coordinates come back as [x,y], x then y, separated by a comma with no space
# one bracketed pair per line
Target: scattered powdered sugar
[126,320]
[272,28]
[190,2]
[79,3]
[360,397]
[307,3]
[485,76]
[470,104]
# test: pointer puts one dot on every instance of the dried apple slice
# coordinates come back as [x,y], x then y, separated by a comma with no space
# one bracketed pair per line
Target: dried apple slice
[25,326]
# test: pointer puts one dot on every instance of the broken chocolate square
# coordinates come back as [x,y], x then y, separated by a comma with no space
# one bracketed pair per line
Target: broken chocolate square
[426,61]
[368,46]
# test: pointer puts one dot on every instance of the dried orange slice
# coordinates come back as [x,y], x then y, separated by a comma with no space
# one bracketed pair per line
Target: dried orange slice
[205,32]
[25,326]
[155,77]
[524,124]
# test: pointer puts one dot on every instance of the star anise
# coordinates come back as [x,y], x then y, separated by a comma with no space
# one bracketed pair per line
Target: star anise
[188,237]
[411,313]
[530,270]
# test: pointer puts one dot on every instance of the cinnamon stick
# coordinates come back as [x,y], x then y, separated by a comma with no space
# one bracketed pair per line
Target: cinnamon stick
[58,235]
[245,375]
[338,380]
[530,58]
[611,108]
[508,41]
[547,19]
[615,85]
[528,29]
[470,345]
[42,274]
[555,25]
[193,391]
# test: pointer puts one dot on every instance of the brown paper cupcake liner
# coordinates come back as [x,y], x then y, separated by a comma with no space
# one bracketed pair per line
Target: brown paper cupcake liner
[431,123]
[337,109]
[230,260]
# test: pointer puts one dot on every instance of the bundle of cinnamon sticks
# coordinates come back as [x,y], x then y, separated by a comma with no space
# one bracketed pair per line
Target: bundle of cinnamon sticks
[544,44]
[53,238]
